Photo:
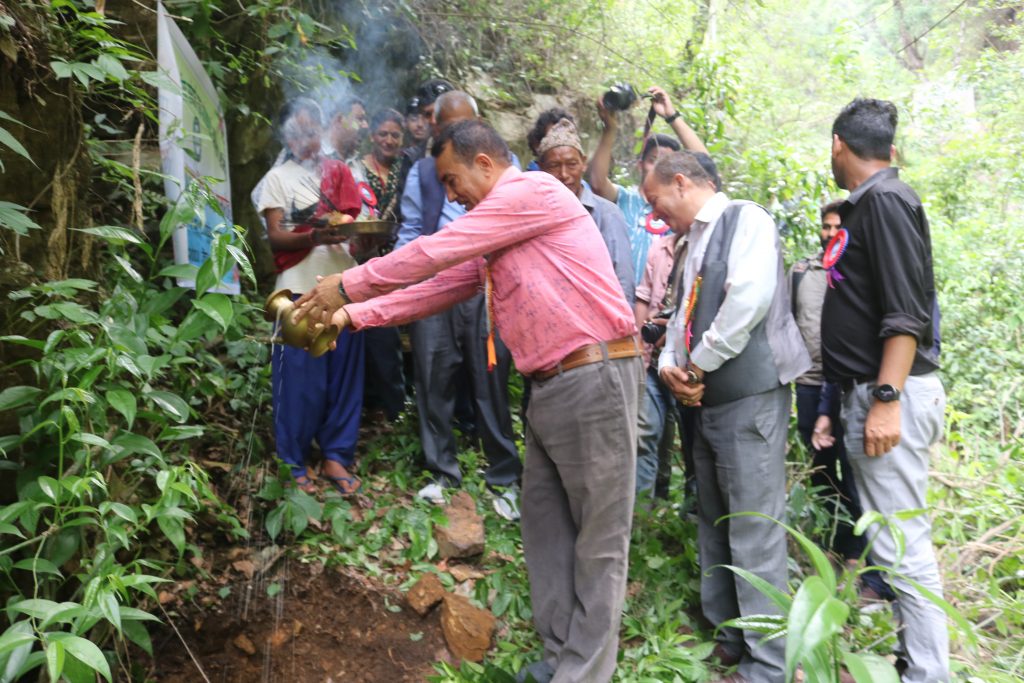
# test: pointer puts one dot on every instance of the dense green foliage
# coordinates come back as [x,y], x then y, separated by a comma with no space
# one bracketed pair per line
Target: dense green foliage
[126,383]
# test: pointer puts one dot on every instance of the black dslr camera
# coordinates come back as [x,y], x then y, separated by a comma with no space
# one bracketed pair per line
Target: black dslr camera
[621,97]
[651,332]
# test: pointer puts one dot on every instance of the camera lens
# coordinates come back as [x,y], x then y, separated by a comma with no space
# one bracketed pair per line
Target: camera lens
[619,97]
[652,332]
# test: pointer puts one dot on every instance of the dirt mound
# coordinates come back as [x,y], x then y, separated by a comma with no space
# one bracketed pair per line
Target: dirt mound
[321,626]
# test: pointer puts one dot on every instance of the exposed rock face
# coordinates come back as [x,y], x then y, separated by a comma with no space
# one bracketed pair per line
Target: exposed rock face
[464,534]
[425,593]
[467,629]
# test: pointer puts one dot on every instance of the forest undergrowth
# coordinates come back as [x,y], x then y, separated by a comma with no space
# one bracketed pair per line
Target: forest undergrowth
[135,440]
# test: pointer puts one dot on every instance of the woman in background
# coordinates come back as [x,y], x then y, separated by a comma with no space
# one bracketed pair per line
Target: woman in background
[379,176]
[381,169]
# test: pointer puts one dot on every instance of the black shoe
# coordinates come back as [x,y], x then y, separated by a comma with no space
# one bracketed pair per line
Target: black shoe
[538,672]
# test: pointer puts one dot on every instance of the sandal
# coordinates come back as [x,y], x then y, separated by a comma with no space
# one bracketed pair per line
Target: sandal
[345,486]
[302,481]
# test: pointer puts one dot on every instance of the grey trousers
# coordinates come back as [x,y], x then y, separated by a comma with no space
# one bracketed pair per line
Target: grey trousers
[577,513]
[898,481]
[740,458]
[440,345]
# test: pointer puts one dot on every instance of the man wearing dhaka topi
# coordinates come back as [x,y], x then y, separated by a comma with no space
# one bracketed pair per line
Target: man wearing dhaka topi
[531,246]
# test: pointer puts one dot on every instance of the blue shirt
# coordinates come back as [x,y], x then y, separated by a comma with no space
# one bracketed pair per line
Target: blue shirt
[636,210]
[612,226]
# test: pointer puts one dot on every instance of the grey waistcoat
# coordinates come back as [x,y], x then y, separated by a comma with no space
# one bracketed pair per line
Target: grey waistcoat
[775,354]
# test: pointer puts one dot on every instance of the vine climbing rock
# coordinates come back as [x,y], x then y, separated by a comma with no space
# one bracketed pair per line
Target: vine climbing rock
[425,593]
[463,536]
[467,628]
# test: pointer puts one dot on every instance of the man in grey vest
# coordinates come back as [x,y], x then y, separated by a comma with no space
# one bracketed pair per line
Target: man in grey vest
[732,348]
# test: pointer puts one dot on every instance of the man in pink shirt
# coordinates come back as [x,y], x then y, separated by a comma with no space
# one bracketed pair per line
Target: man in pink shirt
[533,248]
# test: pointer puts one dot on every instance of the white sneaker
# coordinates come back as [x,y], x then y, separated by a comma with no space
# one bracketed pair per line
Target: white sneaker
[507,504]
[433,493]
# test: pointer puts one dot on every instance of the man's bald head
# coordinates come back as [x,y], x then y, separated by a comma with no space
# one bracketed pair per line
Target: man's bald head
[453,106]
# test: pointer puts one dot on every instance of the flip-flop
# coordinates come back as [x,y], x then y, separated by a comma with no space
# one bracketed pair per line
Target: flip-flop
[353,483]
[308,486]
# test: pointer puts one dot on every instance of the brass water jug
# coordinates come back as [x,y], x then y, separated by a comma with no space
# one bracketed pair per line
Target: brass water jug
[313,337]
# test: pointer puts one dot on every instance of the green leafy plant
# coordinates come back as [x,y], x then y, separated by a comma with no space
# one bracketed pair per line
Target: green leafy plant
[813,618]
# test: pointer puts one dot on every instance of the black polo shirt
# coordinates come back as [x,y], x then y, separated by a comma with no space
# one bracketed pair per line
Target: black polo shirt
[887,286]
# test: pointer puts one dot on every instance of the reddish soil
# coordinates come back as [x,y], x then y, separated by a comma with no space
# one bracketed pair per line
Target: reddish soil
[324,626]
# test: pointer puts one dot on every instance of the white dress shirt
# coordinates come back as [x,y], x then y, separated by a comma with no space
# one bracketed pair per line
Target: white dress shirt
[749,286]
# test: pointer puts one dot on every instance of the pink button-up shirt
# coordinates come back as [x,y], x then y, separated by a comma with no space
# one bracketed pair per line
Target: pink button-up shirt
[654,282]
[554,286]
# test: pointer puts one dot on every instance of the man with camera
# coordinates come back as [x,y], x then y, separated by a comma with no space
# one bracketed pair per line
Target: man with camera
[642,227]
[732,348]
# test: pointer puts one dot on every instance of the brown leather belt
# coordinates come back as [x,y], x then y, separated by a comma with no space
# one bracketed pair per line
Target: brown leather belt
[627,347]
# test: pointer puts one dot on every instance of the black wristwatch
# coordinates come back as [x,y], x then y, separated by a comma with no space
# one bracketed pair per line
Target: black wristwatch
[886,393]
[341,291]
[670,119]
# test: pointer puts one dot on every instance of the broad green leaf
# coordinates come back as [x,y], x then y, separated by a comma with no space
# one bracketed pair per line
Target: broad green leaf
[160,79]
[38,565]
[112,66]
[180,432]
[121,510]
[136,614]
[114,234]
[110,609]
[17,635]
[174,530]
[124,402]
[217,306]
[84,651]
[814,618]
[206,278]
[38,608]
[869,668]
[14,217]
[242,259]
[13,397]
[24,341]
[186,271]
[10,141]
[275,521]
[6,528]
[172,403]
[762,623]
[51,487]
[61,69]
[128,268]
[137,633]
[136,443]
[90,439]
[71,394]
[54,659]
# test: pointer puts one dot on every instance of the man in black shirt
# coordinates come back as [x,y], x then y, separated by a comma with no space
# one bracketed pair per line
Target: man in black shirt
[876,343]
